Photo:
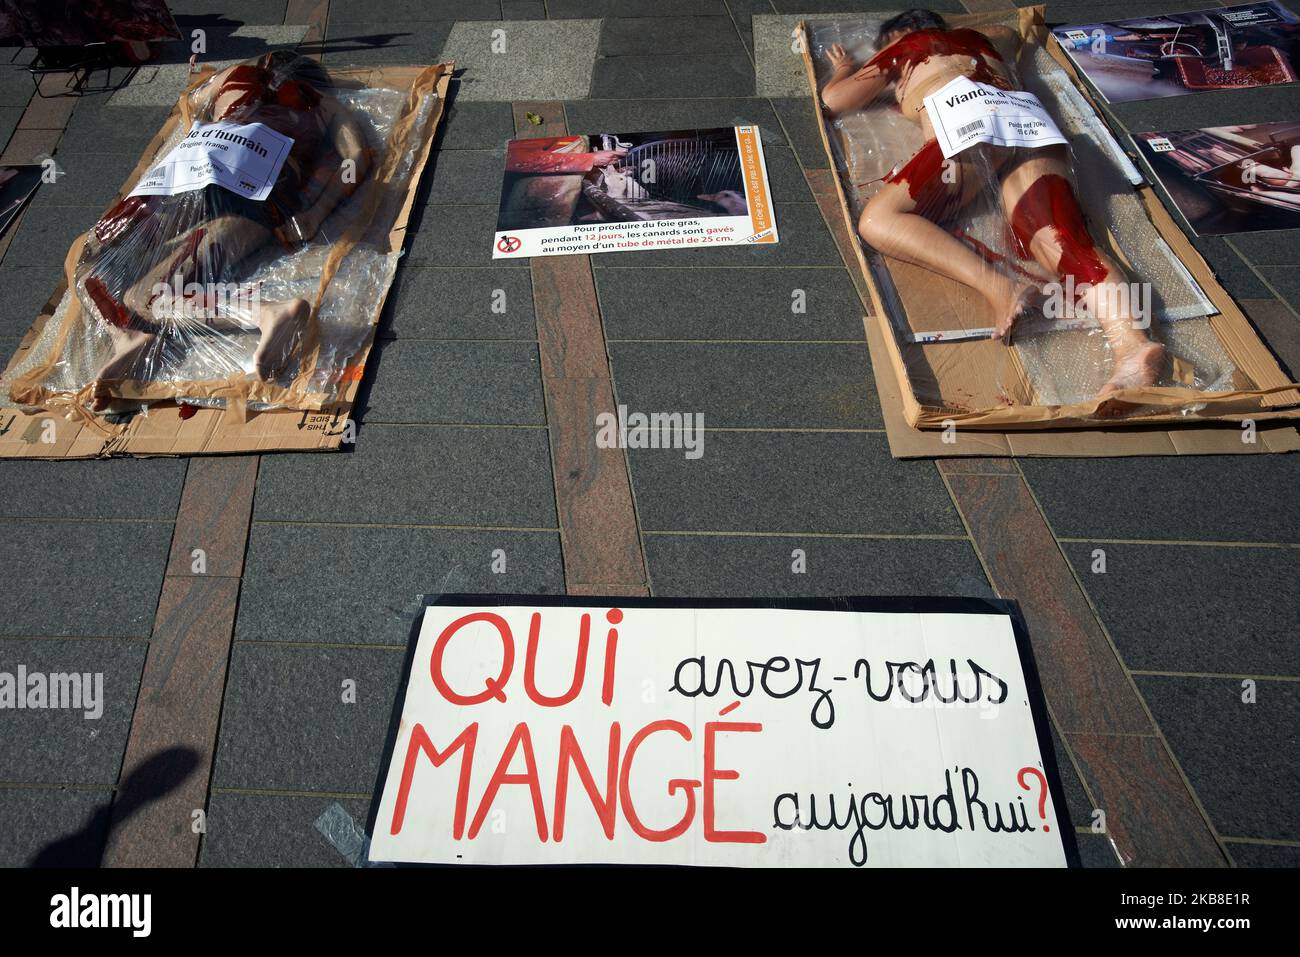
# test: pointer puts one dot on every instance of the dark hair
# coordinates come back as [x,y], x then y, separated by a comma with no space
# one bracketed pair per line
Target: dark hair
[288,65]
[907,21]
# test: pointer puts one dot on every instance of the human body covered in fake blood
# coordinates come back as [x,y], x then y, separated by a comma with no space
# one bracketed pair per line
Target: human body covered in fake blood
[915,214]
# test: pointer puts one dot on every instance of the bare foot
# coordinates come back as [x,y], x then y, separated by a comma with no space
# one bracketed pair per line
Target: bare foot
[129,347]
[1137,368]
[1026,301]
[280,322]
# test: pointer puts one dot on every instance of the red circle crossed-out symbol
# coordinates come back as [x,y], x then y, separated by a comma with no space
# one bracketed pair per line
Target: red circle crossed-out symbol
[508,244]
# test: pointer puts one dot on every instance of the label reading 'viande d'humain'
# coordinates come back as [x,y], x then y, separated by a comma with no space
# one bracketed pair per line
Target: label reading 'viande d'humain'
[244,158]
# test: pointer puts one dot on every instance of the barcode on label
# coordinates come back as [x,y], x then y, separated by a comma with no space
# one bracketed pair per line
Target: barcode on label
[1160,144]
[969,128]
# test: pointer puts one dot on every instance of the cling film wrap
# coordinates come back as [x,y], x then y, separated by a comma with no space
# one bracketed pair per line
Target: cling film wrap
[242,265]
[1018,268]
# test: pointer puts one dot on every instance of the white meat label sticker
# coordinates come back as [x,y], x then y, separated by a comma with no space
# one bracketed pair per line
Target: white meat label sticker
[964,113]
[244,158]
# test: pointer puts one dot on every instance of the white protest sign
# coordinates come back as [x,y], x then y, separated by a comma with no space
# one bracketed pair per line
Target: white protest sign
[244,158]
[715,736]
[964,112]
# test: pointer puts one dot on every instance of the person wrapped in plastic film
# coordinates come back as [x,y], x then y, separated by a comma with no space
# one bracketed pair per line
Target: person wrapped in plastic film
[910,217]
[204,239]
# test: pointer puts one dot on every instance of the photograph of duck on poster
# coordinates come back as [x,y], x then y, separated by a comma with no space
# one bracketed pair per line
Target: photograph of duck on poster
[1225,48]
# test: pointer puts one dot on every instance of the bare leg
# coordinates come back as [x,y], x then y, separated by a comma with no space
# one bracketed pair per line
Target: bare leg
[280,322]
[902,220]
[1045,215]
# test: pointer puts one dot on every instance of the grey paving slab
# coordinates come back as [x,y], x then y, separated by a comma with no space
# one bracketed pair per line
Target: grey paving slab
[54,827]
[762,566]
[1190,498]
[468,125]
[665,36]
[86,179]
[523,10]
[16,86]
[778,61]
[1092,11]
[384,41]
[9,117]
[1285,281]
[1077,803]
[804,241]
[680,75]
[258,830]
[858,6]
[95,127]
[452,236]
[1239,758]
[290,593]
[285,724]
[562,9]
[1234,273]
[466,176]
[242,11]
[1280,326]
[631,116]
[790,482]
[728,303]
[1095,850]
[83,578]
[475,383]
[46,232]
[26,290]
[1204,609]
[1264,855]
[436,302]
[785,177]
[70,745]
[115,488]
[350,10]
[751,385]
[1274,247]
[410,474]
[540,59]
[1259,105]
[798,115]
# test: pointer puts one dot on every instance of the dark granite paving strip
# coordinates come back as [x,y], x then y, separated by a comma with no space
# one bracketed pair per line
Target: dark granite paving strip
[164,777]
[682,75]
[1246,854]
[350,584]
[287,726]
[728,303]
[258,12]
[427,475]
[633,115]
[767,385]
[798,117]
[452,236]
[668,36]
[86,179]
[804,241]
[764,566]
[477,383]
[1241,498]
[1284,281]
[858,6]
[846,240]
[462,177]
[1234,273]
[94,128]
[1096,850]
[1184,608]
[523,10]
[590,9]
[53,827]
[75,734]
[345,11]
[831,482]
[29,145]
[1239,755]
[83,578]
[371,42]
[475,125]
[46,233]
[113,489]
[430,302]
[1280,327]
[1275,247]
[784,175]
[1150,817]
[257,830]
[213,517]
[1259,105]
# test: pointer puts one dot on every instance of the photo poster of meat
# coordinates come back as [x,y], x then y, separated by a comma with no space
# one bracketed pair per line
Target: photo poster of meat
[1229,179]
[629,192]
[1225,48]
[79,23]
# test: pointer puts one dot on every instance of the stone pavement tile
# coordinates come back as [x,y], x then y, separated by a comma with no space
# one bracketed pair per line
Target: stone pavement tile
[241,11]
[413,474]
[1264,855]
[1274,247]
[97,128]
[790,482]
[350,584]
[1238,757]
[213,516]
[542,59]
[86,179]
[1241,498]
[1285,281]
[61,745]
[29,145]
[785,177]
[1077,803]
[262,830]
[342,11]
[1280,328]
[761,566]
[1095,850]
[26,290]
[665,36]
[46,233]
[431,302]
[461,177]
[798,116]
[750,385]
[452,236]
[728,303]
[858,6]
[1205,609]
[778,63]
[382,41]
[475,126]
[16,86]
[115,488]
[1230,269]
[83,578]
[631,116]
[564,9]
[52,827]
[286,726]
[805,241]
[1259,105]
[682,75]
[9,117]
[473,383]
[523,10]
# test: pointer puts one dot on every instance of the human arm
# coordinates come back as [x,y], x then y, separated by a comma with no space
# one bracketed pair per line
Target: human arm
[850,88]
